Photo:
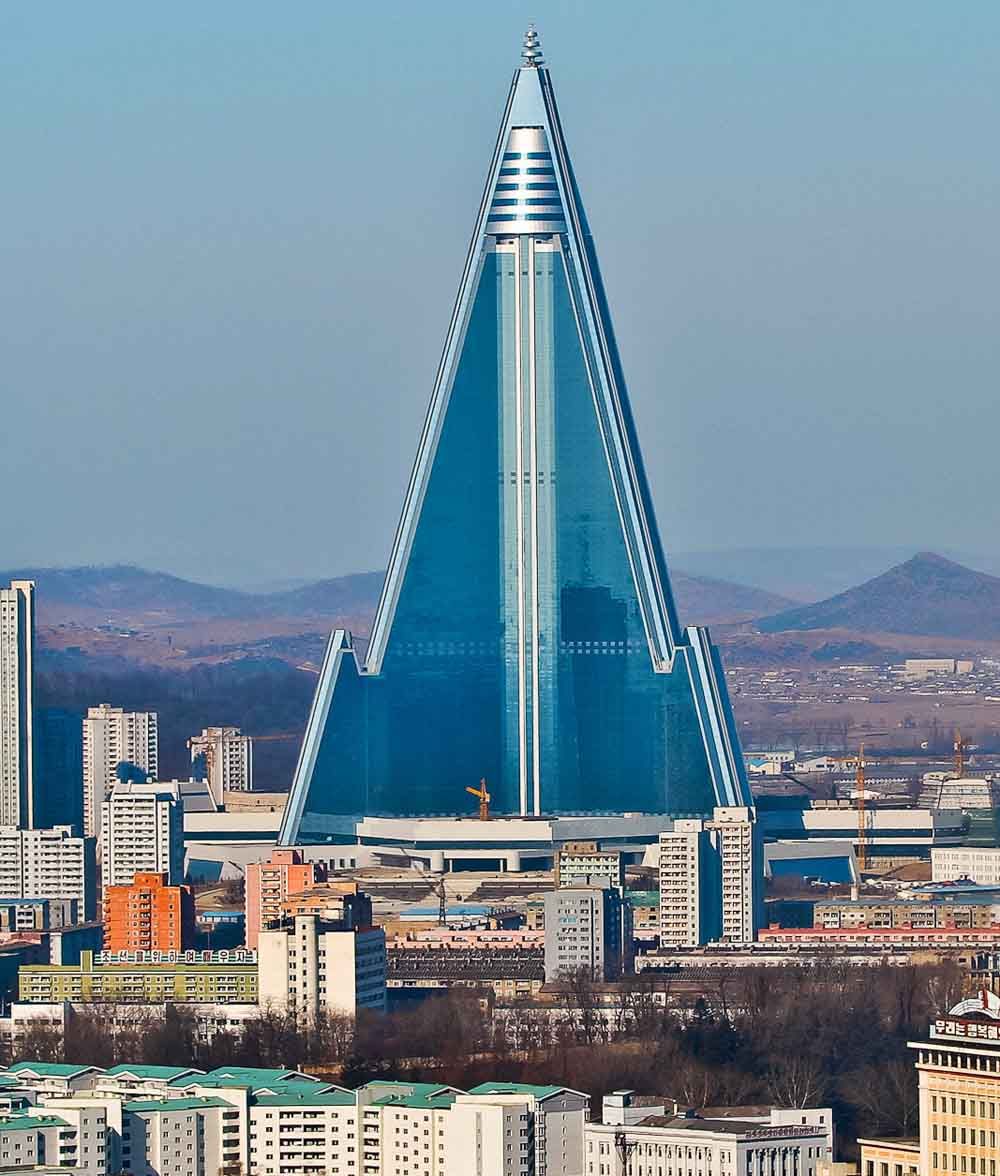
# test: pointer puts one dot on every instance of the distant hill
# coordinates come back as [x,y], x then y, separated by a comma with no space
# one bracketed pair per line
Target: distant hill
[927,595]
[703,600]
[124,593]
[124,588]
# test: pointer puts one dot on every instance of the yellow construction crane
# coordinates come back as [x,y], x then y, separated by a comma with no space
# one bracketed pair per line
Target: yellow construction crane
[862,828]
[959,755]
[484,799]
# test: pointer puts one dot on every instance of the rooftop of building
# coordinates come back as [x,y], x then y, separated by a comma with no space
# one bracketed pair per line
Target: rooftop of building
[297,1098]
[907,1143]
[49,1069]
[417,1102]
[261,1074]
[643,898]
[31,1122]
[539,1092]
[167,1073]
[726,1126]
[193,1103]
[963,898]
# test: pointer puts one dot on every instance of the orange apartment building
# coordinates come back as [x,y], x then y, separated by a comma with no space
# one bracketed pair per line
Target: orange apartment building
[149,915]
[268,885]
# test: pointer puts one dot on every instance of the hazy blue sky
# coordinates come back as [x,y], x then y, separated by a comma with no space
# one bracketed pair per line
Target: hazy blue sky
[230,235]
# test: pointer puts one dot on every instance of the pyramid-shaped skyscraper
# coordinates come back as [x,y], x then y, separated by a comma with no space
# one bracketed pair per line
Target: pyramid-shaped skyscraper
[526,632]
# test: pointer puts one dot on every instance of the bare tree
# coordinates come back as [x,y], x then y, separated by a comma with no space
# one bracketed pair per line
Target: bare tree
[796,1080]
[887,1094]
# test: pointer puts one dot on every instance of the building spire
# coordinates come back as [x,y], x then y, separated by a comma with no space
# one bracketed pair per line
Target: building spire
[531,53]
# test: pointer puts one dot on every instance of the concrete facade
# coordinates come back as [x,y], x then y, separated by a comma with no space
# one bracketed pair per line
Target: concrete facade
[112,736]
[17,675]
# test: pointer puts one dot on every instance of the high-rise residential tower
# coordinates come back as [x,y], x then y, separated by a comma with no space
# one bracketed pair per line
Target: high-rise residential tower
[17,657]
[526,631]
[711,879]
[115,739]
[225,757]
[142,830]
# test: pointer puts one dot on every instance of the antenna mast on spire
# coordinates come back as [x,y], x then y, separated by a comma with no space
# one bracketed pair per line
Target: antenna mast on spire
[531,53]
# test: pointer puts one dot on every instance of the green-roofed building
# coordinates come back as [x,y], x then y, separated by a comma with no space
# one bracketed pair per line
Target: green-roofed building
[54,1079]
[33,1140]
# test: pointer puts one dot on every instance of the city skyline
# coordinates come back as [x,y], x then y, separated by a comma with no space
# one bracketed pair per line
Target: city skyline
[809,172]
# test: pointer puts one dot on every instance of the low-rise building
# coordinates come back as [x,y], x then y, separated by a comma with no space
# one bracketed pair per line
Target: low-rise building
[645,1138]
[960,793]
[975,863]
[890,1157]
[512,973]
[144,977]
[582,860]
[36,914]
[964,912]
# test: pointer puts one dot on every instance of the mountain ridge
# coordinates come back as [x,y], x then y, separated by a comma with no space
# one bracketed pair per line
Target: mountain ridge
[927,595]
[128,592]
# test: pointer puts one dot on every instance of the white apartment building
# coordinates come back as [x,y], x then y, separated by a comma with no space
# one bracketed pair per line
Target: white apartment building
[711,879]
[48,863]
[162,1122]
[688,900]
[183,1136]
[142,829]
[17,656]
[314,966]
[228,759]
[741,857]
[976,864]
[641,1141]
[112,736]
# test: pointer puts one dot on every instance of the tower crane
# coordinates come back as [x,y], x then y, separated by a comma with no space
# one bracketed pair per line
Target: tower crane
[483,797]
[960,748]
[862,828]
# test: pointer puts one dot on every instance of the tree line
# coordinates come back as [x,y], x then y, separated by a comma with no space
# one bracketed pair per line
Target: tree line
[826,1035]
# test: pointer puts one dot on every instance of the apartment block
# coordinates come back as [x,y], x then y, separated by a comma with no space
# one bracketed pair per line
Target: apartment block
[116,743]
[268,885]
[48,863]
[310,967]
[142,831]
[160,1121]
[578,861]
[587,927]
[960,912]
[711,879]
[225,757]
[976,864]
[17,674]
[148,915]
[690,902]
[36,914]
[223,977]
[183,1136]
